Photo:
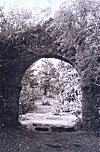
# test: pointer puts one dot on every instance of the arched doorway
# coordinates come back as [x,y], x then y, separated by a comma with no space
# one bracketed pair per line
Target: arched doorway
[51,88]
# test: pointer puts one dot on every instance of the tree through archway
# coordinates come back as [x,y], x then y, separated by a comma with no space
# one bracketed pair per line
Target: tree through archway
[51,88]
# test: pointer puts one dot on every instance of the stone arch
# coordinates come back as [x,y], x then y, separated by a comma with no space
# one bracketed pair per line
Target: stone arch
[28,47]
[53,56]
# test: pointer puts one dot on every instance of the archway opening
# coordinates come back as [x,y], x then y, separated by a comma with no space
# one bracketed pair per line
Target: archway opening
[51,95]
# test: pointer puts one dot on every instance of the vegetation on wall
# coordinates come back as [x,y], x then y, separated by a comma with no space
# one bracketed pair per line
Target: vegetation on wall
[74,32]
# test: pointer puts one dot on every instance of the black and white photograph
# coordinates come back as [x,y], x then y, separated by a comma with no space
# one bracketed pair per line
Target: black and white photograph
[49,75]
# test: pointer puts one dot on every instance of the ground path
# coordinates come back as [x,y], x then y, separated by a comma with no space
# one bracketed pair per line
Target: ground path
[21,140]
[42,115]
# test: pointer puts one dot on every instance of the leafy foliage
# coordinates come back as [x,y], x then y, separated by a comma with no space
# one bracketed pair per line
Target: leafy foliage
[29,92]
[60,82]
[75,29]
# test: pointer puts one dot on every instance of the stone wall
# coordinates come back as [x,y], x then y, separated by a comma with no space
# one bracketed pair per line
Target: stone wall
[32,45]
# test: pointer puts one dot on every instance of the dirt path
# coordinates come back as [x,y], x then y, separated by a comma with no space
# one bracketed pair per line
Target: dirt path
[28,141]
